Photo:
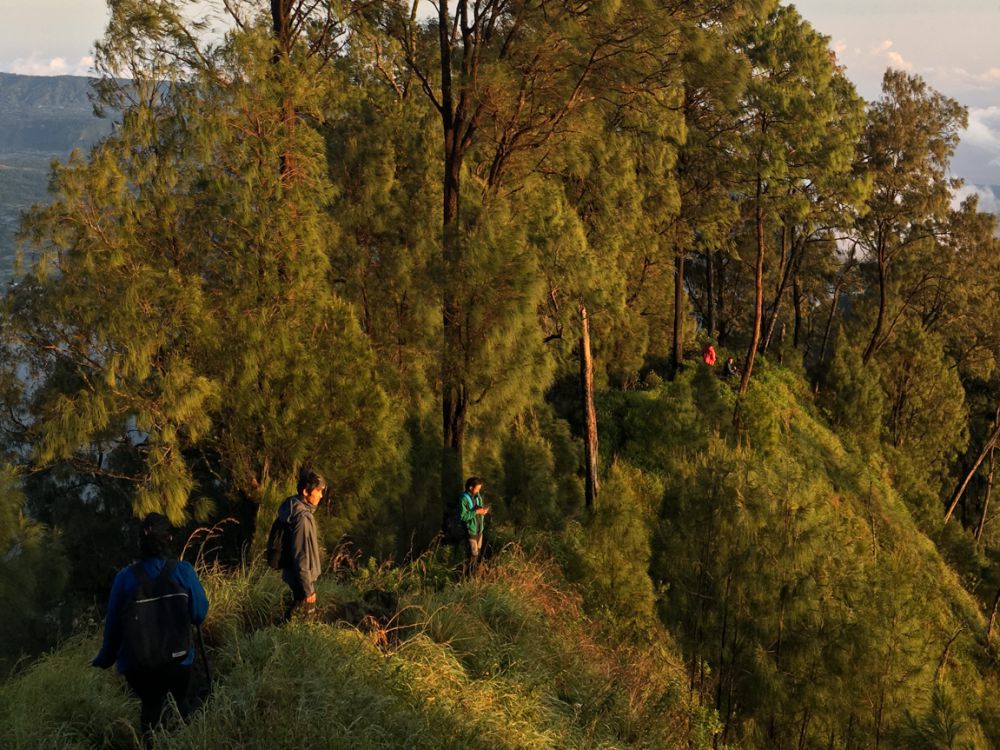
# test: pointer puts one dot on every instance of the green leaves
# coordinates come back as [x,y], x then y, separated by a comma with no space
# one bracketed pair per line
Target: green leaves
[192,315]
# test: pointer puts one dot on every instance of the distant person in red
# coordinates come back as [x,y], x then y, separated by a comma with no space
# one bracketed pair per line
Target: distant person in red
[708,354]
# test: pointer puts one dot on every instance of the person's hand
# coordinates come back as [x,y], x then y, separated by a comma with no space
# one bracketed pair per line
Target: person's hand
[482,511]
[311,599]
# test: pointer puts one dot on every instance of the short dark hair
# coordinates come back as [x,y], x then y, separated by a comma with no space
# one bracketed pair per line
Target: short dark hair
[310,480]
[472,482]
[155,535]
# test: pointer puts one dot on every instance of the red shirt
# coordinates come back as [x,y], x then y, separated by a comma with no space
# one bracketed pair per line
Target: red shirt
[709,355]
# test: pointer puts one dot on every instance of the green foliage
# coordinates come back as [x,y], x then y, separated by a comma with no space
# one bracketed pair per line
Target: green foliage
[357,241]
[34,578]
[218,342]
[63,702]
[926,417]
[943,727]
[613,550]
[792,573]
[850,394]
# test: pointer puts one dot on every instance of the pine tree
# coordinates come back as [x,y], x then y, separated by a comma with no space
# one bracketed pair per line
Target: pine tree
[190,328]
[909,137]
[796,97]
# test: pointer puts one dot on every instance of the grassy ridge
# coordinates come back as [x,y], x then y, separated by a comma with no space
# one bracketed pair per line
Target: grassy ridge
[506,661]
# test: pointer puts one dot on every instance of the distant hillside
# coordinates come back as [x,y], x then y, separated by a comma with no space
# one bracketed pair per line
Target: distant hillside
[47,114]
[42,118]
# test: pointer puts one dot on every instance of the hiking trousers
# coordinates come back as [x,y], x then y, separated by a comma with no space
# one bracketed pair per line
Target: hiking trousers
[474,550]
[152,686]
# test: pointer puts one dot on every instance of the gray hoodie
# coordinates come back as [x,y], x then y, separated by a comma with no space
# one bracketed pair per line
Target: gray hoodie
[304,564]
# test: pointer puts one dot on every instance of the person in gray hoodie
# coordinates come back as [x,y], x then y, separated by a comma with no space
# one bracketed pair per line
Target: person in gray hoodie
[302,566]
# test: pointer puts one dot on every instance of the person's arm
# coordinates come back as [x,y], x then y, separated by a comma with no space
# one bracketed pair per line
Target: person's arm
[303,533]
[198,601]
[112,623]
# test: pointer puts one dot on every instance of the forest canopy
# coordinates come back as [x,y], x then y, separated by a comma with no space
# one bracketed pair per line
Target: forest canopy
[364,237]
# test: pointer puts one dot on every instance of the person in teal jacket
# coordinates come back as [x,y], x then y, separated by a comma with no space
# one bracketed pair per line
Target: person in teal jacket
[152,686]
[473,514]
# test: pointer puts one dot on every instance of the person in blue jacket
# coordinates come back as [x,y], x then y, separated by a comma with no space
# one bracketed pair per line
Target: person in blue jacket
[152,686]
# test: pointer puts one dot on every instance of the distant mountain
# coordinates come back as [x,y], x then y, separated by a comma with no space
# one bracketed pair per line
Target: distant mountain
[42,119]
[49,114]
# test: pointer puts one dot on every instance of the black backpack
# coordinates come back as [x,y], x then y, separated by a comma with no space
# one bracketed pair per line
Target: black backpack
[453,527]
[156,627]
[276,545]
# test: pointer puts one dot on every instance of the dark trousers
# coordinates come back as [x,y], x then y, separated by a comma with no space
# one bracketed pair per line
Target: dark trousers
[153,686]
[297,604]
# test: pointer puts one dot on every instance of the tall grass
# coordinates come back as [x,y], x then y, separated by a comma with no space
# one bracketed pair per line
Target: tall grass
[507,660]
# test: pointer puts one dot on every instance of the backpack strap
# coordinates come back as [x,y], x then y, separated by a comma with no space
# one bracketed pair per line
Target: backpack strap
[165,574]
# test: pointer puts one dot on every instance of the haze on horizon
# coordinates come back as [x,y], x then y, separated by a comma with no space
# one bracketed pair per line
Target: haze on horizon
[955,46]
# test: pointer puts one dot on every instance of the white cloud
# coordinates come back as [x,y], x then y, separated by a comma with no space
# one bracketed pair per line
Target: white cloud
[966,79]
[988,201]
[896,60]
[884,52]
[984,131]
[55,66]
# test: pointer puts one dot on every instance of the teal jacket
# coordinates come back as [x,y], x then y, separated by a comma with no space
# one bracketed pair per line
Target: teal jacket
[473,523]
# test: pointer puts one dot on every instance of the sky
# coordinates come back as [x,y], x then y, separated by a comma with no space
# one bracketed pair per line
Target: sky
[953,44]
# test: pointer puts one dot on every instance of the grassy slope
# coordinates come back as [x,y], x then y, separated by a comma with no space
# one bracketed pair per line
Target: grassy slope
[507,661]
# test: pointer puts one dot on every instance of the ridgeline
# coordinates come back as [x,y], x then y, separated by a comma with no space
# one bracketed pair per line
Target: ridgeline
[709,326]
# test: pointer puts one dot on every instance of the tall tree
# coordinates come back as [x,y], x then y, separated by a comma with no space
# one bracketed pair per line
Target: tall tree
[190,332]
[507,79]
[795,99]
[825,197]
[910,135]
[715,79]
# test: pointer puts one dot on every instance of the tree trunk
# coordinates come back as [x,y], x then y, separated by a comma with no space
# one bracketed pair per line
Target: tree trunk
[838,288]
[797,310]
[883,280]
[720,304]
[993,617]
[986,500]
[590,414]
[806,715]
[281,11]
[829,326]
[987,449]
[759,288]
[943,661]
[779,294]
[710,292]
[454,396]
[678,347]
